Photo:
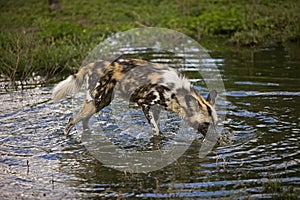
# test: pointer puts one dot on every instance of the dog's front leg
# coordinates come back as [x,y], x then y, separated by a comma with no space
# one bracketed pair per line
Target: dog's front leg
[152,115]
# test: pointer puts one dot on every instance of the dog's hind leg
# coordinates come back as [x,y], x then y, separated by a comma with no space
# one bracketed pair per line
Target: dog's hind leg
[90,107]
[87,110]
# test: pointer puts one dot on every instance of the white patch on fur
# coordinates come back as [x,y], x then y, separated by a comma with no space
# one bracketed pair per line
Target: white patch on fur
[173,77]
[64,88]
[157,96]
[88,94]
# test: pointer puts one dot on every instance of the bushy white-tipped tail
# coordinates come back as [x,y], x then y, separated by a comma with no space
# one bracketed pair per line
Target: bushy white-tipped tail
[66,87]
[69,86]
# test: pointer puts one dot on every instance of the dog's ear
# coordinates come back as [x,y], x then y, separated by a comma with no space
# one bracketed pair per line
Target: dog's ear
[211,98]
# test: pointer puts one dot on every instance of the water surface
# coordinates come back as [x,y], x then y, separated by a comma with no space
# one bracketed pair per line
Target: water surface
[260,160]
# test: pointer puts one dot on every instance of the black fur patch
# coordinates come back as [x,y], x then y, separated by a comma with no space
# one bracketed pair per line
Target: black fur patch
[209,110]
[162,91]
[141,94]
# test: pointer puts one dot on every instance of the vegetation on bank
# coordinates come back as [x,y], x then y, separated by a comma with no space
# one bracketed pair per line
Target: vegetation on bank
[37,39]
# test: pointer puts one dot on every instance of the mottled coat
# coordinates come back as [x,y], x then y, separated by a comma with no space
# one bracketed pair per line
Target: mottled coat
[152,86]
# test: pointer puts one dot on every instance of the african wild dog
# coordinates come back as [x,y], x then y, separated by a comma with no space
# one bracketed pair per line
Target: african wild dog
[152,86]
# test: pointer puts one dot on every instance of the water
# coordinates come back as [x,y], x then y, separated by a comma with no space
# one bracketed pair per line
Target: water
[259,160]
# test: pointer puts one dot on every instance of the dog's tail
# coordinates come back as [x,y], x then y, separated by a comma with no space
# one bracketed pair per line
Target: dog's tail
[70,85]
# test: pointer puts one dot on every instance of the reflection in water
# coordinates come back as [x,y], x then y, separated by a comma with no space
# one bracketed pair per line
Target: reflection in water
[261,160]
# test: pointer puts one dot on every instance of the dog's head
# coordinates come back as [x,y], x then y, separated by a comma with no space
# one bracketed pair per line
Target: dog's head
[200,113]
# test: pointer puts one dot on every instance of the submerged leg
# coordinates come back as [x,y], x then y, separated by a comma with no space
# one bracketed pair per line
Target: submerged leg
[152,115]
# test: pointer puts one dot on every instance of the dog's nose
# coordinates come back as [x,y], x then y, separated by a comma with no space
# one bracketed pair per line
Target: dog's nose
[206,124]
[203,127]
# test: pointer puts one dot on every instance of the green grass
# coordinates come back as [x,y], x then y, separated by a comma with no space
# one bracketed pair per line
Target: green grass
[36,39]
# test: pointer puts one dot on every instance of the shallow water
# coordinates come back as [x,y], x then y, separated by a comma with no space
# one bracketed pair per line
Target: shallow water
[259,160]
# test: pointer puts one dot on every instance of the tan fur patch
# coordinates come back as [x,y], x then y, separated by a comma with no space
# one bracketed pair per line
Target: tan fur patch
[154,77]
[202,102]
[174,105]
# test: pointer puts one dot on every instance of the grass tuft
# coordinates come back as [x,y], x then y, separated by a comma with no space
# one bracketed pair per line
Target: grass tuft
[51,42]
